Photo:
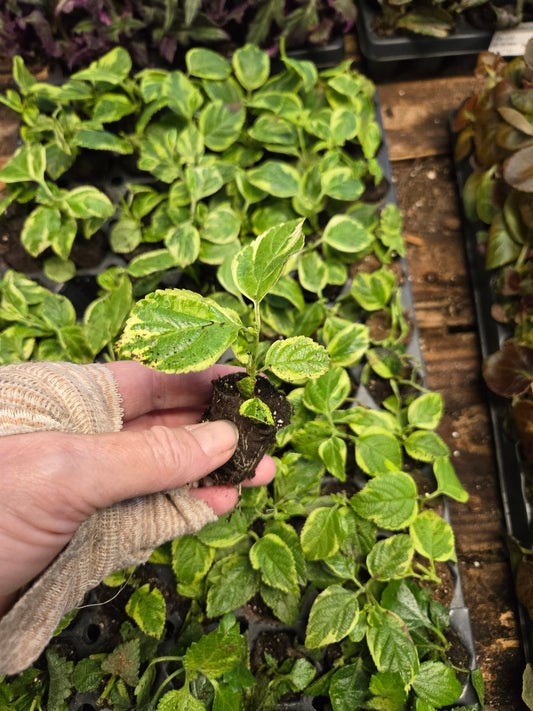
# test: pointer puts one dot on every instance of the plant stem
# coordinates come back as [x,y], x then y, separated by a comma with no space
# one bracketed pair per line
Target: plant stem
[251,369]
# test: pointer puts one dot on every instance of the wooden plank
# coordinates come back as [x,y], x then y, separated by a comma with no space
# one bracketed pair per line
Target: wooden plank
[416,114]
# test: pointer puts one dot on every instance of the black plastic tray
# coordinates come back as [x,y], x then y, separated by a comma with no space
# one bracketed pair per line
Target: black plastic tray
[511,469]
[385,56]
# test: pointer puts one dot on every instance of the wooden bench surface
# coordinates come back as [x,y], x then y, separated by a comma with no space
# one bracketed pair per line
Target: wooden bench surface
[416,116]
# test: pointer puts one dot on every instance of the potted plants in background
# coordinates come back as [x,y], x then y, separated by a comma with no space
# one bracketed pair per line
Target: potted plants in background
[494,158]
[72,34]
[324,589]
[419,36]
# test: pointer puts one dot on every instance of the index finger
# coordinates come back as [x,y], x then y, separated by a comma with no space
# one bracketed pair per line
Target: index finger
[144,390]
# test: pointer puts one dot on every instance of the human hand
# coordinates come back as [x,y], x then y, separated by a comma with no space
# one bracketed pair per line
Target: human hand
[52,481]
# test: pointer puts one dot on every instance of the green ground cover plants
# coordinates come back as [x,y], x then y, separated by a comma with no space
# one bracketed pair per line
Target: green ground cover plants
[254,208]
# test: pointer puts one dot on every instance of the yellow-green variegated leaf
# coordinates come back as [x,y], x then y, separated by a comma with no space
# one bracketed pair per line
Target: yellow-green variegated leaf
[257,267]
[297,359]
[176,330]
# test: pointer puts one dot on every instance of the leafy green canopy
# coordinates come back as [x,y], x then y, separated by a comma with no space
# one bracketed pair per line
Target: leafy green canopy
[205,158]
[257,201]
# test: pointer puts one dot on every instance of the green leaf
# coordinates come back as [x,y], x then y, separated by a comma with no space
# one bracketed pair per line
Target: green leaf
[390,645]
[183,243]
[432,536]
[97,140]
[22,76]
[378,452]
[191,559]
[180,699]
[224,533]
[181,95]
[258,266]
[251,66]
[112,68]
[256,410]
[389,691]
[125,235]
[59,685]
[231,583]
[306,70]
[58,269]
[373,291]
[389,500]
[426,446]
[333,452]
[27,163]
[312,272]
[398,597]
[296,359]
[447,481]
[39,227]
[87,675]
[285,605]
[328,392]
[501,247]
[148,609]
[343,126]
[332,617]
[275,178]
[110,107]
[150,262]
[221,226]
[216,653]
[322,533]
[391,557]
[177,330]
[348,689]
[340,183]
[86,201]
[221,125]
[348,345]
[158,153]
[437,684]
[207,64]
[274,559]
[425,412]
[347,234]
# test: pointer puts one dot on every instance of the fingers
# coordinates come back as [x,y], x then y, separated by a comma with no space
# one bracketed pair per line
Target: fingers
[144,390]
[224,498]
[99,470]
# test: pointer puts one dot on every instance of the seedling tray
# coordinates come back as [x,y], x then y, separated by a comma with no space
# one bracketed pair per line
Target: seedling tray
[90,632]
[513,476]
[418,54]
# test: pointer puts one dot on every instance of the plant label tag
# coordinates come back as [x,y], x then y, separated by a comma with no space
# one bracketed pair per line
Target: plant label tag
[511,43]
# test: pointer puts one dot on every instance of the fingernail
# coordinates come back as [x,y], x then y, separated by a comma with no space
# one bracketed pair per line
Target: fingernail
[215,438]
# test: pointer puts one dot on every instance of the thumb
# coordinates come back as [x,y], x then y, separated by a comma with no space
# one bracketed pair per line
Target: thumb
[112,467]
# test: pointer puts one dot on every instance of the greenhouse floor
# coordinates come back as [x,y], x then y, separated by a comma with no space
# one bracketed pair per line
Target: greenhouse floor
[416,117]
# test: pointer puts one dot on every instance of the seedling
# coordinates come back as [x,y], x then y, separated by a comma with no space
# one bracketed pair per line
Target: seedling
[177,331]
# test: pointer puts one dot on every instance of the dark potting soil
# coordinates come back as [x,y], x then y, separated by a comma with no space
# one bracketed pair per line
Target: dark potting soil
[255,438]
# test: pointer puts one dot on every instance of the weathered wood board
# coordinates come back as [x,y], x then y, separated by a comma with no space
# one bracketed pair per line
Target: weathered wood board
[416,121]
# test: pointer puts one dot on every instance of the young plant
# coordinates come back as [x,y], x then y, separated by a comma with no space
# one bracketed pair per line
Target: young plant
[177,330]
[498,199]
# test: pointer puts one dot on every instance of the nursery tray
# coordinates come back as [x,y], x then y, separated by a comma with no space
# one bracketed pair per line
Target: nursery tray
[419,55]
[89,632]
[514,480]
